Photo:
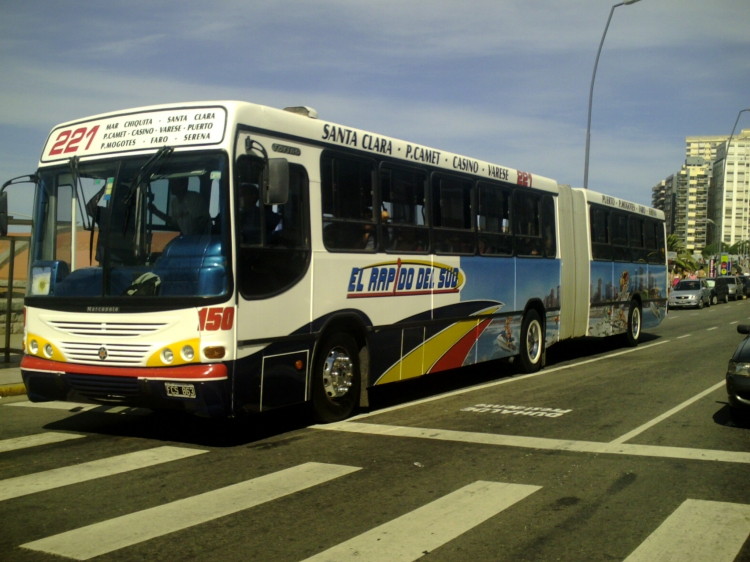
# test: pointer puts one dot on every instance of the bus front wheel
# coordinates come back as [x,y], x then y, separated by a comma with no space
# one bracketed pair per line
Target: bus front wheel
[633,334]
[336,378]
[532,342]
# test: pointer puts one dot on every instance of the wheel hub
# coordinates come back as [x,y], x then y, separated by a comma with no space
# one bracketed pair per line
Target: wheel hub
[533,341]
[338,372]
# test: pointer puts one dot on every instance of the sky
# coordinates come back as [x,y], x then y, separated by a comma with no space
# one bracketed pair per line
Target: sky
[505,81]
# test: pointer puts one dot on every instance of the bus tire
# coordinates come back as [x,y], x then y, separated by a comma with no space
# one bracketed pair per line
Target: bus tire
[532,342]
[633,334]
[336,378]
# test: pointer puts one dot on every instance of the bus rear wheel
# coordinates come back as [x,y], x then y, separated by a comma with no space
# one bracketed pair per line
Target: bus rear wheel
[336,378]
[532,342]
[633,334]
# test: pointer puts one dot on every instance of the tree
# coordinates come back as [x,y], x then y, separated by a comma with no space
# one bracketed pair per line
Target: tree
[683,261]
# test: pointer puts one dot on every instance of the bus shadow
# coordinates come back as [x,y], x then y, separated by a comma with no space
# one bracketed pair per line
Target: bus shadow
[177,427]
[465,377]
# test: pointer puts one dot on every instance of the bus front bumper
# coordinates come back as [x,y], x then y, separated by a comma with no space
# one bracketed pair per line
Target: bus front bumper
[200,389]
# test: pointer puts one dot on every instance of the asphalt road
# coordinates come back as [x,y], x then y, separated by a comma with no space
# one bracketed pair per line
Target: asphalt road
[609,453]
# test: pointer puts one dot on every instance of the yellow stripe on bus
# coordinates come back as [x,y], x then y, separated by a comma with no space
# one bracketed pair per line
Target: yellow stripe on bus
[430,352]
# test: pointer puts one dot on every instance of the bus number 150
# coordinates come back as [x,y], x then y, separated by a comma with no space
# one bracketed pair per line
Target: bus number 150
[214,319]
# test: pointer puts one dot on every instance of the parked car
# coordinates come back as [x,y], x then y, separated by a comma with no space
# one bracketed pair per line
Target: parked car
[738,377]
[690,292]
[730,284]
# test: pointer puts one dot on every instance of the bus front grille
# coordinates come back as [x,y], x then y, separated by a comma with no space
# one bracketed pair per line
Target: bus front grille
[114,354]
[97,387]
[109,329]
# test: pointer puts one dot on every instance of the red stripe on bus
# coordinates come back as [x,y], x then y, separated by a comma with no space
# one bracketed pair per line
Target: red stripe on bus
[214,371]
[455,356]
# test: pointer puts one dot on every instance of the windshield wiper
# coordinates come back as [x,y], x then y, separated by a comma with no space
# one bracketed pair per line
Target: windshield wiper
[78,193]
[163,152]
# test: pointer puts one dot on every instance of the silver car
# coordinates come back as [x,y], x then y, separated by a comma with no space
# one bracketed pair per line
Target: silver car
[690,292]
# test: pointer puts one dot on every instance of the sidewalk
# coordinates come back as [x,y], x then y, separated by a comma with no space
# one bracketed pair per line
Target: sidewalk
[11,383]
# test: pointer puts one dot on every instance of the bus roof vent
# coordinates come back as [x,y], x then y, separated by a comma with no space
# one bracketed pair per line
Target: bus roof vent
[303,110]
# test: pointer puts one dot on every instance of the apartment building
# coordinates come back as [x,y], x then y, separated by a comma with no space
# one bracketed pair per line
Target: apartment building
[729,191]
[702,203]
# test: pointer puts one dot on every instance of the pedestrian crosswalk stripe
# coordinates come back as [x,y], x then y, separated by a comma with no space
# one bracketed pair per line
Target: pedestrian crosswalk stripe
[78,407]
[36,440]
[58,477]
[54,405]
[114,534]
[412,535]
[697,530]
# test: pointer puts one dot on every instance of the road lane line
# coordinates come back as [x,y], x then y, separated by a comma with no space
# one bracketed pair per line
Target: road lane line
[714,328]
[414,534]
[735,322]
[114,534]
[697,530]
[503,381]
[628,436]
[36,440]
[65,476]
[685,336]
[540,442]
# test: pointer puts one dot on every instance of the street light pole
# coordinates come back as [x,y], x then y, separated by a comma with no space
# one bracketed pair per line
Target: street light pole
[726,157]
[591,91]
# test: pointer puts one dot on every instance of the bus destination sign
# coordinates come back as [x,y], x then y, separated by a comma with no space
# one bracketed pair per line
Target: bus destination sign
[137,131]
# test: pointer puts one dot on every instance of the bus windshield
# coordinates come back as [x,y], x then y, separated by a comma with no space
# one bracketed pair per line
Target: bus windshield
[157,227]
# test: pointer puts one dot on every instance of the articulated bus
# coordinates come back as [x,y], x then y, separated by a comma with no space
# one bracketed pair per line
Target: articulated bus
[225,258]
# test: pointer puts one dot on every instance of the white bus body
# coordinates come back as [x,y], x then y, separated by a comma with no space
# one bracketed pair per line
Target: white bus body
[312,261]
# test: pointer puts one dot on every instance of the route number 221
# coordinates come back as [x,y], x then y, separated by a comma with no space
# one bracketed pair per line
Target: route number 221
[69,140]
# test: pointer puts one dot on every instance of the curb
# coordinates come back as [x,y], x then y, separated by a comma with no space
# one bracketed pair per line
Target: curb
[12,389]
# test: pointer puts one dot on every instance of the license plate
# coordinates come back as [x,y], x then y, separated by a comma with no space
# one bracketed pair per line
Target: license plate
[180,390]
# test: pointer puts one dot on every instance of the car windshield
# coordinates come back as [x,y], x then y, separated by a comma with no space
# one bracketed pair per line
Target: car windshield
[158,228]
[688,286]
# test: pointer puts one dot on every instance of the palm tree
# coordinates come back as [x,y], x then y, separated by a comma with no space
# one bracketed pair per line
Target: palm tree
[683,261]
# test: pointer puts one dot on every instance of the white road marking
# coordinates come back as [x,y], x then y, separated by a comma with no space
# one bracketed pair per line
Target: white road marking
[55,405]
[540,442]
[735,322]
[78,407]
[503,381]
[35,440]
[414,534]
[697,531]
[50,479]
[714,328]
[685,336]
[114,534]
[628,436]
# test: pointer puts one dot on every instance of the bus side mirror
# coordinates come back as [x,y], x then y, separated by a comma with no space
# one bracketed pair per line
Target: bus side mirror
[276,186]
[3,214]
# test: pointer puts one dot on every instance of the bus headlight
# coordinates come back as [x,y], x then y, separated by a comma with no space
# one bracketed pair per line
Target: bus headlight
[188,353]
[167,356]
[48,350]
[34,347]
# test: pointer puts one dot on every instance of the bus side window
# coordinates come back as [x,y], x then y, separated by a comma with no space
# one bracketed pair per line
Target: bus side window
[549,232]
[402,196]
[635,239]
[347,198]
[452,216]
[493,220]
[600,248]
[618,233]
[654,235]
[526,215]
